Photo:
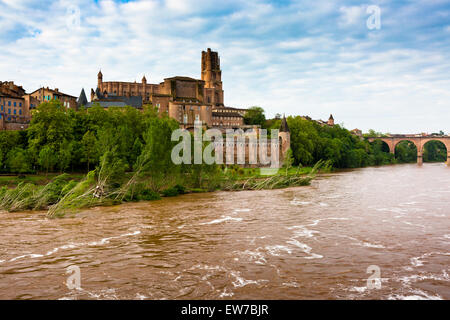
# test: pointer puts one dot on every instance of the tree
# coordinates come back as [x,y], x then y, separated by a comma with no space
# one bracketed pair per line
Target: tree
[435,151]
[155,160]
[17,161]
[89,147]
[65,155]
[405,152]
[255,116]
[288,160]
[47,159]
[51,124]
[303,138]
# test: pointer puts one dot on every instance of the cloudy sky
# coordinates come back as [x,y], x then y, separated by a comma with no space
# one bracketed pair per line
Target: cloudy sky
[294,57]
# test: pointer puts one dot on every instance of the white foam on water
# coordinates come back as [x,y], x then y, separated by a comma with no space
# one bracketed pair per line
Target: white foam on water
[254,256]
[292,284]
[305,233]
[31,255]
[411,203]
[73,246]
[242,210]
[225,294]
[223,219]
[371,245]
[296,202]
[363,243]
[277,250]
[317,221]
[302,231]
[207,267]
[421,277]
[358,289]
[305,248]
[323,204]
[417,295]
[394,210]
[416,262]
[241,282]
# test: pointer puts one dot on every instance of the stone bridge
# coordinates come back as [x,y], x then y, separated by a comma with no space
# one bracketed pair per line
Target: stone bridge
[418,140]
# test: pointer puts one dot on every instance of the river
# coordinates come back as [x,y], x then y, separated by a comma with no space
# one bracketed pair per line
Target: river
[313,242]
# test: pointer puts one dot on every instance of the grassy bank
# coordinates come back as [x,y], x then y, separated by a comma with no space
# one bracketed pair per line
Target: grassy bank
[12,181]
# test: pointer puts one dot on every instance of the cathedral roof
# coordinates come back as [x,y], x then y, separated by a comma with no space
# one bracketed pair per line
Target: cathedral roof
[284,126]
[82,100]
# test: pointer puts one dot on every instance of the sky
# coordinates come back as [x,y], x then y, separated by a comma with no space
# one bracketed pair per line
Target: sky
[312,58]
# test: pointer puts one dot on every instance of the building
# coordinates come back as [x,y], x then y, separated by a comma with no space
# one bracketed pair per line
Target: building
[15,106]
[182,98]
[47,94]
[331,121]
[227,117]
[357,132]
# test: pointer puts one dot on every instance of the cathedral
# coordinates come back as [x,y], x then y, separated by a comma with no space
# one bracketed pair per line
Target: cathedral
[182,98]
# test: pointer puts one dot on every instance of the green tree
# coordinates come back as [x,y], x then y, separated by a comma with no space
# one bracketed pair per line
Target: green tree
[47,159]
[155,160]
[17,161]
[65,155]
[255,116]
[89,148]
[406,152]
[51,124]
[434,151]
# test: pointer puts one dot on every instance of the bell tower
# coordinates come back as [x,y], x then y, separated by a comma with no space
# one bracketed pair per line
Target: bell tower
[100,80]
[212,75]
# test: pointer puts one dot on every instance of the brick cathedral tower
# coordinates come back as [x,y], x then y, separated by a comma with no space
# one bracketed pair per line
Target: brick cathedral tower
[212,75]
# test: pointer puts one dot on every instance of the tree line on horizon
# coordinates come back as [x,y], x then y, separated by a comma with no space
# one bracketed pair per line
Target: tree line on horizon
[312,142]
[65,140]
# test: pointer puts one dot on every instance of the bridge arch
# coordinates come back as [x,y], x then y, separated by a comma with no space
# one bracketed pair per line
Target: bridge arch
[445,153]
[386,141]
[406,151]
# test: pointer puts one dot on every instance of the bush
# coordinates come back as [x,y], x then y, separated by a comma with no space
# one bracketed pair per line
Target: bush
[141,192]
[148,195]
[174,191]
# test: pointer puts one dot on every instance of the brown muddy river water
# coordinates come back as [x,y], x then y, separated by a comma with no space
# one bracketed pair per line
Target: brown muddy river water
[300,243]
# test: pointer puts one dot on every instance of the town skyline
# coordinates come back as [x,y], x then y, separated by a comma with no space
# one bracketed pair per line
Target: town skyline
[368,79]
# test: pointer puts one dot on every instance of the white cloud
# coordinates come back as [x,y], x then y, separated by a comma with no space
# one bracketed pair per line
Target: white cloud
[351,15]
